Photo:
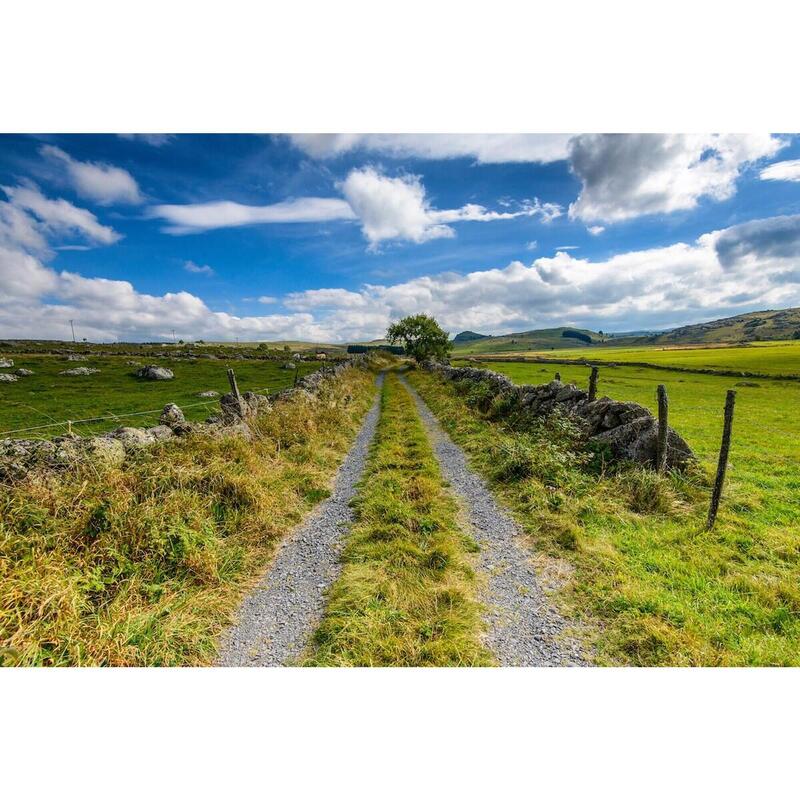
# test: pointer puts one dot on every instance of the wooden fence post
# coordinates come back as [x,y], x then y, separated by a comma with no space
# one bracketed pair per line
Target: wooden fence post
[593,384]
[722,465]
[663,428]
[235,390]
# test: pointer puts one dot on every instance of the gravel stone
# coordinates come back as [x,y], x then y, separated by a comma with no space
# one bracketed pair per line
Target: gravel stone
[276,621]
[524,630]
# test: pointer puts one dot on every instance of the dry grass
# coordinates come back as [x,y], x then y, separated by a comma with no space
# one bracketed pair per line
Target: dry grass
[406,595]
[143,565]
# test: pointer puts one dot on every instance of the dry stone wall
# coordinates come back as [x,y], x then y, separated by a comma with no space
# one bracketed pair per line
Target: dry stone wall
[628,431]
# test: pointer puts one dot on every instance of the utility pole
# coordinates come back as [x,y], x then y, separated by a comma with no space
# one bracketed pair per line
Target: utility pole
[73,331]
[173,336]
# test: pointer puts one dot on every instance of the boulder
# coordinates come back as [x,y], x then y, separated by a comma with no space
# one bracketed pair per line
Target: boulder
[160,432]
[23,373]
[172,416]
[7,377]
[209,393]
[289,365]
[76,357]
[132,438]
[79,371]
[637,441]
[152,372]
[6,362]
[101,449]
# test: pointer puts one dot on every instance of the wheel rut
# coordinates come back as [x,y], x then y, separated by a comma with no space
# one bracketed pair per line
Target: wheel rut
[274,622]
[523,628]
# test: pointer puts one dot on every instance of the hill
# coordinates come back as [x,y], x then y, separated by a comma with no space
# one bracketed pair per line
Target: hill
[758,326]
[545,339]
[468,336]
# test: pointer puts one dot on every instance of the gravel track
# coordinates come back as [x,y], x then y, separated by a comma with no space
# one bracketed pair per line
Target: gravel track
[276,620]
[524,630]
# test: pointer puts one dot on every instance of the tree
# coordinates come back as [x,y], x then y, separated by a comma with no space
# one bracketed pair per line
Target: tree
[421,336]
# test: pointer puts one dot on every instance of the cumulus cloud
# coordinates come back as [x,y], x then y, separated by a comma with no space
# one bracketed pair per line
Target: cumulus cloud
[595,230]
[629,175]
[782,171]
[198,269]
[103,183]
[197,217]
[153,139]
[29,217]
[398,208]
[492,148]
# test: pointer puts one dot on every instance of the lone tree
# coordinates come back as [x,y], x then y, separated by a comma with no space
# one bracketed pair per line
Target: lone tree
[421,336]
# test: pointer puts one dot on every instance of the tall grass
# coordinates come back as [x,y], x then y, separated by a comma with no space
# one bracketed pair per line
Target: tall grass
[650,584]
[406,595]
[143,565]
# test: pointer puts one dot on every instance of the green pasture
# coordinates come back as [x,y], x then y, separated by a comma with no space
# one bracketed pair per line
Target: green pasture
[47,397]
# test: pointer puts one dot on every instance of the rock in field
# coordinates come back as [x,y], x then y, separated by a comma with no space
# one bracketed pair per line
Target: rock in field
[79,371]
[172,416]
[6,362]
[76,357]
[209,393]
[23,373]
[7,377]
[152,372]
[289,365]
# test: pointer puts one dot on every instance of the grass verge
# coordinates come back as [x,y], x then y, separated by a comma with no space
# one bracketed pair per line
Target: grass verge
[406,594]
[653,586]
[143,565]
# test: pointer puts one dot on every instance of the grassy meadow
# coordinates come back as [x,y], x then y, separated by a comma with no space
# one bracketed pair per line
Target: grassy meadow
[46,396]
[773,358]
[144,564]
[406,595]
[652,584]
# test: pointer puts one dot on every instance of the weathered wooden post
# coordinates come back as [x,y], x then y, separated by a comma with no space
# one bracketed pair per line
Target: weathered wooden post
[663,428]
[593,384]
[722,465]
[235,390]
[558,376]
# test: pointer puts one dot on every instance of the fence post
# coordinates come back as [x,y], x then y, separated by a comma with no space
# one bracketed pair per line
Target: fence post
[593,384]
[235,390]
[722,465]
[296,370]
[558,376]
[663,428]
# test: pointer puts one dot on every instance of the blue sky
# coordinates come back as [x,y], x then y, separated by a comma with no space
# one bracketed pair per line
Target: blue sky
[265,237]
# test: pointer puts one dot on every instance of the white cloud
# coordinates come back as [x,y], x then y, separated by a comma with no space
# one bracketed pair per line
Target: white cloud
[595,230]
[782,171]
[492,148]
[629,175]
[193,218]
[198,269]
[103,183]
[267,300]
[743,267]
[33,216]
[398,208]
[532,245]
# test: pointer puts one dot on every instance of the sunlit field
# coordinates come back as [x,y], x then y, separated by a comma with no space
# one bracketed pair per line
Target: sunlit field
[773,358]
[47,397]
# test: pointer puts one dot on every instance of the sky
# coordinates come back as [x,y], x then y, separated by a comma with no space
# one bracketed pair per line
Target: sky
[330,237]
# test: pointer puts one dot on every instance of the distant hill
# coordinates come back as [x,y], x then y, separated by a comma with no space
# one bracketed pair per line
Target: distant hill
[545,339]
[758,326]
[468,336]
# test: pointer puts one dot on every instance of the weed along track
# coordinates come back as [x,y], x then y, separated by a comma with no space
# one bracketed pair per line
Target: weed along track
[276,620]
[408,592]
[523,627]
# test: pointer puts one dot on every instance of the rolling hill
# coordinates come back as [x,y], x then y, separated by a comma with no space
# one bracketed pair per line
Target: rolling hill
[758,326]
[545,339]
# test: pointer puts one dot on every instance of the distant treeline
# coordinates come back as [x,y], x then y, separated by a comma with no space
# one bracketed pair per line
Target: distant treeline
[365,348]
[584,337]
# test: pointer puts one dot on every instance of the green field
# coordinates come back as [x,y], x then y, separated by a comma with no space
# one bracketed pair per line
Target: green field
[773,358]
[47,397]
[669,591]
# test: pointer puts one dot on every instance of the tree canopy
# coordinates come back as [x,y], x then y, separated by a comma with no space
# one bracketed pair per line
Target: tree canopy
[421,336]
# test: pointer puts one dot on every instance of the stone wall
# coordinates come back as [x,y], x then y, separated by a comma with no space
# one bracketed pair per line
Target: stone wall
[19,456]
[628,430]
